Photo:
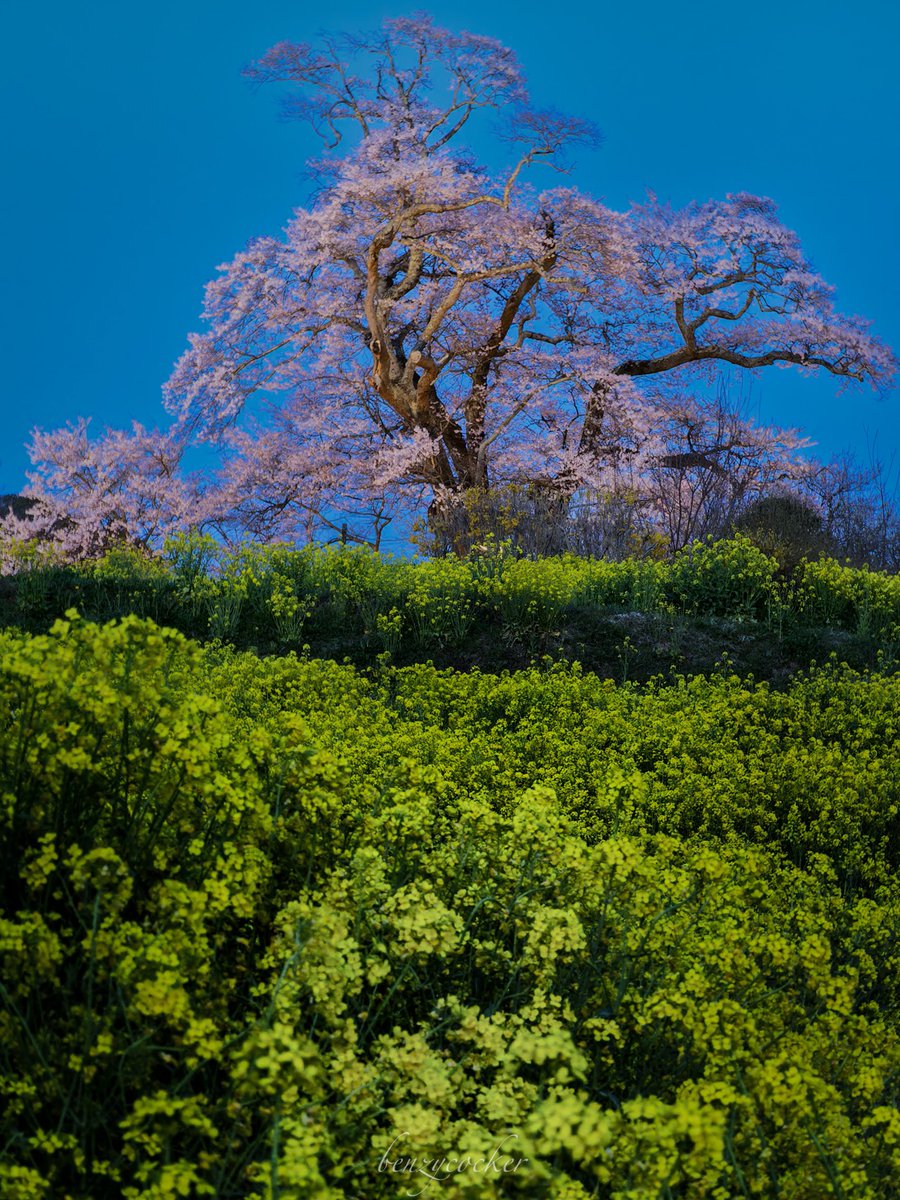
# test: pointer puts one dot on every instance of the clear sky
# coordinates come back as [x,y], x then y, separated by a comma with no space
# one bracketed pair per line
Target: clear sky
[138,159]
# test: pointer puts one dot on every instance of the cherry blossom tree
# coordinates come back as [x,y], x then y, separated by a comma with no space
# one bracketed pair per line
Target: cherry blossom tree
[88,495]
[429,325]
[716,462]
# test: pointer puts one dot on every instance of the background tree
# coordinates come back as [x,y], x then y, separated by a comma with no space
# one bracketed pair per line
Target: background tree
[124,488]
[716,462]
[859,509]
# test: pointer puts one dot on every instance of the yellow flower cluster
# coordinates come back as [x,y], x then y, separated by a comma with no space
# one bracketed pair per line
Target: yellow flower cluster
[276,928]
[278,598]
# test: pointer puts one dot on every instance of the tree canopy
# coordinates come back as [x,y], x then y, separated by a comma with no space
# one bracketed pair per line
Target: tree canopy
[431,320]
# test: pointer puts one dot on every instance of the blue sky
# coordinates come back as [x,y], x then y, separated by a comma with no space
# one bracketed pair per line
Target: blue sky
[138,159]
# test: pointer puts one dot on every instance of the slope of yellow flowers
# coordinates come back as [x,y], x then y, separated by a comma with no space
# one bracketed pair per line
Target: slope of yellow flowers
[281,928]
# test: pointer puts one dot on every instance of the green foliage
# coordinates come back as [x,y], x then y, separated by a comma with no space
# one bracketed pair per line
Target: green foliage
[726,578]
[353,602]
[263,918]
[812,769]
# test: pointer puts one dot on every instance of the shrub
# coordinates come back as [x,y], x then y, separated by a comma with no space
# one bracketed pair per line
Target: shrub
[786,527]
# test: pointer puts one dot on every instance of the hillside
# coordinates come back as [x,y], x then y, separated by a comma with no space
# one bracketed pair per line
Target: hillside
[635,619]
[278,925]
